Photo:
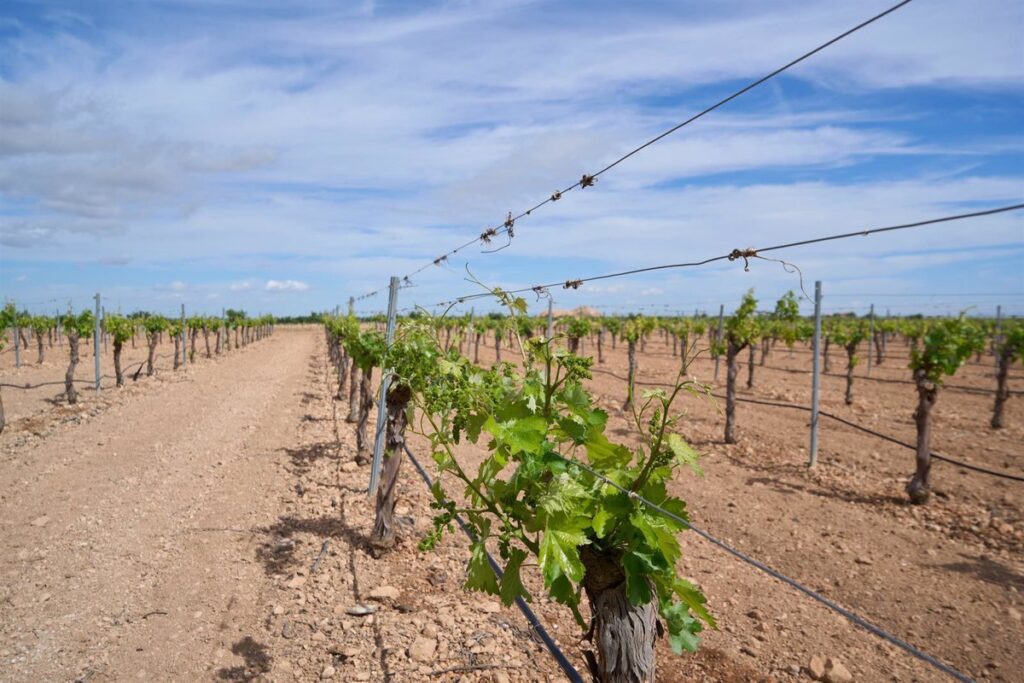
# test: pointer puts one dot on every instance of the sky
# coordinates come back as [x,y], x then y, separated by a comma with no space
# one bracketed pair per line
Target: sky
[283,157]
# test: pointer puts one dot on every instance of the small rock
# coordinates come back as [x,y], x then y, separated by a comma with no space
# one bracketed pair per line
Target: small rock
[816,667]
[360,610]
[328,672]
[1014,613]
[749,650]
[278,610]
[836,672]
[41,521]
[297,582]
[863,560]
[384,593]
[423,649]
[500,677]
[349,466]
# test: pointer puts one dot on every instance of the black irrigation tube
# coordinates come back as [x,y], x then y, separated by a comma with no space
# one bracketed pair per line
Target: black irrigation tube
[886,437]
[835,607]
[848,423]
[570,671]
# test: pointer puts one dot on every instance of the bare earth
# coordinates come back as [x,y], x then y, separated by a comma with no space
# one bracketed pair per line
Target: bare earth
[169,531]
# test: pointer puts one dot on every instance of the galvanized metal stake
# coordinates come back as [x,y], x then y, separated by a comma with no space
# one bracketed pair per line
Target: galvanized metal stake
[17,339]
[551,319]
[351,305]
[96,340]
[718,337]
[997,338]
[815,375]
[871,337]
[385,383]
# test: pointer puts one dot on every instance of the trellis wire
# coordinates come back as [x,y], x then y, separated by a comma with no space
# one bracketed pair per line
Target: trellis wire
[855,618]
[588,180]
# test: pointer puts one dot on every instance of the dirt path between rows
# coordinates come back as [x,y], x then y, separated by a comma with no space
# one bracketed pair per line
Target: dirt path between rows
[128,543]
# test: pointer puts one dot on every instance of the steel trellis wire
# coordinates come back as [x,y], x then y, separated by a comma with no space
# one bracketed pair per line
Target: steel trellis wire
[853,617]
[586,180]
[737,254]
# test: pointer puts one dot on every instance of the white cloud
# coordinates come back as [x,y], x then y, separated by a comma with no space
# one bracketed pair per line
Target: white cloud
[286,286]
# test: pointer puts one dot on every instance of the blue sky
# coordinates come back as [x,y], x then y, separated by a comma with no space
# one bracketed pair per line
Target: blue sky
[281,157]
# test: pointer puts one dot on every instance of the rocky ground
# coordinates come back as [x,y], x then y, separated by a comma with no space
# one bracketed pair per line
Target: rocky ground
[210,524]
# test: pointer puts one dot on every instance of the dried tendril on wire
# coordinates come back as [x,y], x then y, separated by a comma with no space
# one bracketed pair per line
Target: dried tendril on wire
[572,284]
[746,255]
[587,181]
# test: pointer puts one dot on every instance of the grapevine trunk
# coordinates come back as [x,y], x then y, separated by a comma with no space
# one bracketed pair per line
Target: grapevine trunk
[1002,388]
[919,487]
[733,369]
[365,404]
[387,493]
[353,395]
[69,377]
[623,633]
[118,373]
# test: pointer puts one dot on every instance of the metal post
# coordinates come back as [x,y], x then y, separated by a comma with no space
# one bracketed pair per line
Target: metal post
[999,330]
[104,329]
[17,339]
[718,337]
[871,337]
[385,383]
[184,339]
[815,375]
[96,340]
[551,319]
[351,305]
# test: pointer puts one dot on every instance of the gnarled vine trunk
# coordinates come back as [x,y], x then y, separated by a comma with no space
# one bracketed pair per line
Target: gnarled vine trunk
[497,346]
[69,376]
[851,349]
[365,405]
[118,373]
[600,346]
[623,634]
[827,367]
[879,347]
[383,535]
[342,374]
[353,394]
[177,353]
[630,375]
[765,347]
[752,352]
[39,344]
[919,487]
[1002,388]
[476,348]
[574,344]
[206,341]
[151,340]
[732,370]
